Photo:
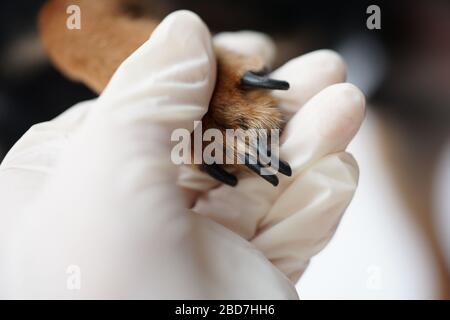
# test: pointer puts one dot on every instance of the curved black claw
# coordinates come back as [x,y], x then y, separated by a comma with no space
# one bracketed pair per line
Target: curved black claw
[251,79]
[256,167]
[283,166]
[219,173]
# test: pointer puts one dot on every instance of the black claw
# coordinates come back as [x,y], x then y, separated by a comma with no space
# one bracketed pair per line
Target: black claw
[219,173]
[283,166]
[251,79]
[256,167]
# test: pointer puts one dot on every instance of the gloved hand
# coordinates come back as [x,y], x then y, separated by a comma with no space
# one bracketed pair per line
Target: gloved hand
[95,187]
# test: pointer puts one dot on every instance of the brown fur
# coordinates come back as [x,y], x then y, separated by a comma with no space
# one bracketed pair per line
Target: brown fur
[107,36]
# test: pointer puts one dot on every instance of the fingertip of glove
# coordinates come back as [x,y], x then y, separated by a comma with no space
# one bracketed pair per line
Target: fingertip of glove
[184,22]
[346,109]
[184,16]
[351,164]
[326,124]
[355,105]
[332,63]
[248,43]
[181,42]
[308,75]
[322,67]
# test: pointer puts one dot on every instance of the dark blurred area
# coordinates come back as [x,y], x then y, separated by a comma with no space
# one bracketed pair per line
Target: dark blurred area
[31,90]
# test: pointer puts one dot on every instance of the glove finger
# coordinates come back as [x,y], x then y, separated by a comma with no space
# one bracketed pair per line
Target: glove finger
[165,85]
[304,218]
[307,76]
[325,125]
[248,43]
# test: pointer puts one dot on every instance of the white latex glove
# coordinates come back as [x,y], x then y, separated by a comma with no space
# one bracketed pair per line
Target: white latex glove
[94,190]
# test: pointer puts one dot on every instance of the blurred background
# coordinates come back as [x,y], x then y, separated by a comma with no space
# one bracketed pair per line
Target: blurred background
[394,241]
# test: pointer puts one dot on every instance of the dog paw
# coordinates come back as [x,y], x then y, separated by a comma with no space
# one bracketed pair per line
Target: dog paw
[242,101]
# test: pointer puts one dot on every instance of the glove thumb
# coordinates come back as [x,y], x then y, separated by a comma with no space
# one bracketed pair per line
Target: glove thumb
[166,84]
